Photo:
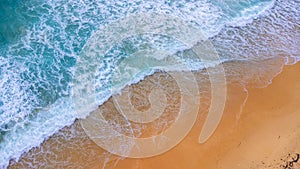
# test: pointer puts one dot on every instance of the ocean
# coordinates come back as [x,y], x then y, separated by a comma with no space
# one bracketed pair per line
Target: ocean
[42,41]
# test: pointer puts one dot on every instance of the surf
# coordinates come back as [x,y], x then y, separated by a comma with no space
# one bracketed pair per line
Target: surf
[36,65]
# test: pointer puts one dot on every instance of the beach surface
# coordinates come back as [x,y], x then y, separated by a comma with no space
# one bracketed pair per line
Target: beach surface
[260,129]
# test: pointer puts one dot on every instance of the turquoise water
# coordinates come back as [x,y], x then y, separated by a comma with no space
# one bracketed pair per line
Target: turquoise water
[40,42]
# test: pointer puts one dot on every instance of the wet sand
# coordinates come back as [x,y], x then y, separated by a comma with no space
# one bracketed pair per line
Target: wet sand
[260,129]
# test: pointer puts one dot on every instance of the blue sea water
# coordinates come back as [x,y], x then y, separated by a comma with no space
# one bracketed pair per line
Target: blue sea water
[40,42]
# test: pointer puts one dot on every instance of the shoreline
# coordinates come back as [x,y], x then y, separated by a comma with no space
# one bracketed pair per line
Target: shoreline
[231,123]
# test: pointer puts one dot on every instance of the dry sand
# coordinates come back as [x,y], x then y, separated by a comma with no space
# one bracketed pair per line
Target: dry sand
[264,135]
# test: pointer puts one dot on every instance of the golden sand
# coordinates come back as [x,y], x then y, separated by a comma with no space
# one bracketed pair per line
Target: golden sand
[260,129]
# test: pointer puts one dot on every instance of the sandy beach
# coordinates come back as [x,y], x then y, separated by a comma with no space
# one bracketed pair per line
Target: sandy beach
[260,129]
[150,84]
